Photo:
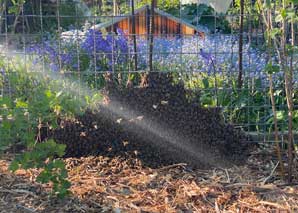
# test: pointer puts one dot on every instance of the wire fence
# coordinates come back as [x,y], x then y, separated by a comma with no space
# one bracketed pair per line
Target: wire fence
[83,41]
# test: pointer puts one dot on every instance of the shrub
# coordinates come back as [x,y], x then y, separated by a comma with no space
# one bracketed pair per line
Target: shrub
[37,102]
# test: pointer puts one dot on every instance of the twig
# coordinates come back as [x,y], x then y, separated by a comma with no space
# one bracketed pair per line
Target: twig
[172,166]
[18,206]
[217,208]
[238,185]
[287,184]
[266,188]
[17,191]
[249,206]
[272,172]
[229,180]
[79,208]
[95,203]
[272,204]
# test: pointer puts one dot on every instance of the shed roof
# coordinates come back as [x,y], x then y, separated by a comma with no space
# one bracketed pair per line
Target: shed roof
[156,10]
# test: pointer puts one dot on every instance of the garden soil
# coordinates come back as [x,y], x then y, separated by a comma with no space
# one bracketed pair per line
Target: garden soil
[161,124]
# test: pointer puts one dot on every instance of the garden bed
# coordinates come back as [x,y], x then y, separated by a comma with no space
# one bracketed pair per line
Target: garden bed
[103,184]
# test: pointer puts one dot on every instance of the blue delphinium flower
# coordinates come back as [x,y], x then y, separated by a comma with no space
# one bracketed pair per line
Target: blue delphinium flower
[49,52]
[122,41]
[206,56]
[108,50]
[115,51]
[208,59]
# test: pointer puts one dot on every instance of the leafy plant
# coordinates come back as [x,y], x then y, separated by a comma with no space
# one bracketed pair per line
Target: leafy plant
[277,16]
[42,156]
[38,101]
[28,12]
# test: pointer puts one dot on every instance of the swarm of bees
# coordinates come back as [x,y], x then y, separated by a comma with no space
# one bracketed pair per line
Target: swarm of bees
[135,119]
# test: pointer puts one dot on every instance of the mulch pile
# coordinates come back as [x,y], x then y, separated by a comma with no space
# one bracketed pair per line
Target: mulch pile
[103,184]
[19,193]
[161,124]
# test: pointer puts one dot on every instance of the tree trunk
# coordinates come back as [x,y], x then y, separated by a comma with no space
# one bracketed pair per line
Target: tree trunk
[152,26]
[240,80]
[3,14]
[273,105]
[144,80]
[134,35]
[289,94]
[129,83]
[278,151]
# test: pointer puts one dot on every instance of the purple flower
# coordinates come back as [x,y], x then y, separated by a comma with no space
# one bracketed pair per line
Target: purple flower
[66,58]
[206,56]
[2,72]
[209,61]
[49,52]
[108,50]
[54,67]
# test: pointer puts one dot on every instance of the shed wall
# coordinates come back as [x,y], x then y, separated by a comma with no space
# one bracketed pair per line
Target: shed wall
[163,26]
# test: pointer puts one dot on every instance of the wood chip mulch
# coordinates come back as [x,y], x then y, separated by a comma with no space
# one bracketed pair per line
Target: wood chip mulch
[102,184]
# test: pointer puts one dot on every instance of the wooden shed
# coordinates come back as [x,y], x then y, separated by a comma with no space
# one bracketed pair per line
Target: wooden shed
[165,24]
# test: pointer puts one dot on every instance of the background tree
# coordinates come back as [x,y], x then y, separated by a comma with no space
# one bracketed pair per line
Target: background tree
[283,14]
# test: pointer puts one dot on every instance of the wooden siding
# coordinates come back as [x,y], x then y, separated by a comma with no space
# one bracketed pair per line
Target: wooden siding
[163,26]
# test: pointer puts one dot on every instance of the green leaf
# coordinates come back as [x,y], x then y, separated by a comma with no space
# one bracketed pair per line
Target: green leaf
[48,93]
[206,83]
[21,104]
[268,4]
[283,13]
[271,69]
[291,15]
[280,115]
[14,166]
[274,32]
[44,177]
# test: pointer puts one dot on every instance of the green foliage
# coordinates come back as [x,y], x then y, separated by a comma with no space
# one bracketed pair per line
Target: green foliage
[246,106]
[170,6]
[67,14]
[42,156]
[203,15]
[16,6]
[70,14]
[251,8]
[271,69]
[38,100]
